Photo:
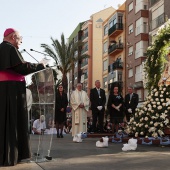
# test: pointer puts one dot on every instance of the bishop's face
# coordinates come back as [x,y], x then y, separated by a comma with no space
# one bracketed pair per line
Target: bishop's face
[17,40]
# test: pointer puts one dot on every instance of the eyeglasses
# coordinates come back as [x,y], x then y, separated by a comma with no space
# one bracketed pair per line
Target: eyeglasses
[60,87]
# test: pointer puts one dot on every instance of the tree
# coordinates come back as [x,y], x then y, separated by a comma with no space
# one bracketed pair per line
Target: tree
[63,54]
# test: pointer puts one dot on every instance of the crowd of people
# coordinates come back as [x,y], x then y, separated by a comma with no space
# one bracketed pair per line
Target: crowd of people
[14,143]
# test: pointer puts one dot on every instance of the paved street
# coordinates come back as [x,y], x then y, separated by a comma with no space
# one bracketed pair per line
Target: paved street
[85,156]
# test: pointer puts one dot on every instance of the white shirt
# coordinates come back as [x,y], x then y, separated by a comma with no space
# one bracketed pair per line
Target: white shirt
[39,125]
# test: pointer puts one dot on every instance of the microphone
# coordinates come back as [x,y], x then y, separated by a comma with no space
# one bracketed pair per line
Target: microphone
[39,52]
[30,55]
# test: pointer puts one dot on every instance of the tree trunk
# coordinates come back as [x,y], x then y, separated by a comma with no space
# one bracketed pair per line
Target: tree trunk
[65,83]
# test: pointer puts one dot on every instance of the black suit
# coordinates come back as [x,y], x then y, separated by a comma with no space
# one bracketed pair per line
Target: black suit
[131,104]
[96,101]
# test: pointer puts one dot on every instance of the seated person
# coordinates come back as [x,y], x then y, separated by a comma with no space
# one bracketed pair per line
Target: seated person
[51,123]
[39,125]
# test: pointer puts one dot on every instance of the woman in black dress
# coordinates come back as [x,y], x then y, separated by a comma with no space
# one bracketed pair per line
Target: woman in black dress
[61,103]
[115,108]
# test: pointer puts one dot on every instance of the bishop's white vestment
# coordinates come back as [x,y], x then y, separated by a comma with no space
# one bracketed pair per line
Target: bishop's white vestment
[79,115]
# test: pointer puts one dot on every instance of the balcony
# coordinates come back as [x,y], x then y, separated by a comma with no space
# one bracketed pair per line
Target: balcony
[115,48]
[140,53]
[141,6]
[85,63]
[160,20]
[152,2]
[85,49]
[141,29]
[116,65]
[138,77]
[85,36]
[116,29]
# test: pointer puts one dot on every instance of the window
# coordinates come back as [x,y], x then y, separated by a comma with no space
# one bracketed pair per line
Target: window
[105,47]
[141,26]
[105,82]
[130,28]
[130,73]
[130,6]
[138,73]
[105,30]
[110,24]
[114,21]
[141,47]
[130,50]
[105,65]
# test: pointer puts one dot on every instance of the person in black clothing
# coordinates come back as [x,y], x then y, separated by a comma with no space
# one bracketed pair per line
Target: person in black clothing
[14,134]
[61,103]
[115,108]
[98,100]
[131,102]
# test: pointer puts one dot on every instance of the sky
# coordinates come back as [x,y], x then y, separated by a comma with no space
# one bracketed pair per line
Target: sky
[39,20]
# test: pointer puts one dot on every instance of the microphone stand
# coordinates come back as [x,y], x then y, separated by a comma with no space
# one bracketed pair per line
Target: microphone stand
[30,55]
[45,55]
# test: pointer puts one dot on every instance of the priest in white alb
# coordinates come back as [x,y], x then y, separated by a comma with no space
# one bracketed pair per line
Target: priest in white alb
[80,107]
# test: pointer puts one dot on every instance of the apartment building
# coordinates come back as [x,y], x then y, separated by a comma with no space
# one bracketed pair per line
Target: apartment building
[137,38]
[114,50]
[92,38]
[159,13]
[75,74]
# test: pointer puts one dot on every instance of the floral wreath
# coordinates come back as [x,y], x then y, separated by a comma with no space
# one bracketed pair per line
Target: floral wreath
[157,57]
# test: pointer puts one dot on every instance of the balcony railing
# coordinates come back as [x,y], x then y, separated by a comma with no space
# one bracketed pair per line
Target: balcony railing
[152,2]
[116,65]
[84,49]
[117,26]
[85,36]
[160,20]
[115,47]
[84,63]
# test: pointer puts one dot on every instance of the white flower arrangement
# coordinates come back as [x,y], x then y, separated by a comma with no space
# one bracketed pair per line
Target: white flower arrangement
[141,133]
[146,126]
[162,100]
[163,116]
[159,107]
[160,132]
[155,124]
[152,129]
[152,118]
[146,118]
[158,103]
